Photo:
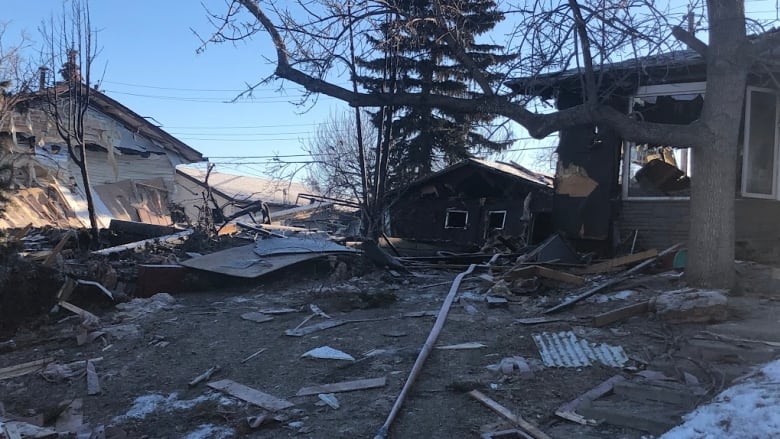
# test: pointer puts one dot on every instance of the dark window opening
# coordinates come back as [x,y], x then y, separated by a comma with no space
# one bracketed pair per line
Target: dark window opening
[496,219]
[456,219]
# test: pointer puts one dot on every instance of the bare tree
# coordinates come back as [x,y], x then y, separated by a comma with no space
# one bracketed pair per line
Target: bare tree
[71,50]
[15,79]
[556,35]
[335,169]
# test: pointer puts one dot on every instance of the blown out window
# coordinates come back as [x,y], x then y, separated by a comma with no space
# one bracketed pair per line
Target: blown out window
[496,219]
[656,170]
[456,219]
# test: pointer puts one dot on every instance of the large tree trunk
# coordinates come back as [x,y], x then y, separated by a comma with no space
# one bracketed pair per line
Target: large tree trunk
[714,181]
[88,192]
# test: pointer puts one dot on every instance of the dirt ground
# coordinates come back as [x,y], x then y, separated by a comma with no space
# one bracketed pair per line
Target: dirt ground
[149,354]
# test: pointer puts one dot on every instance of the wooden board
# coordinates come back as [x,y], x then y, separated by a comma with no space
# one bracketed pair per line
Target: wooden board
[344,386]
[508,415]
[621,313]
[250,395]
[244,262]
[24,368]
[537,270]
[568,410]
[603,267]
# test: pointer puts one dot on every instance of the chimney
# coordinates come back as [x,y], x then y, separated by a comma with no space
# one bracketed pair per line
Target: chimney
[71,71]
[42,77]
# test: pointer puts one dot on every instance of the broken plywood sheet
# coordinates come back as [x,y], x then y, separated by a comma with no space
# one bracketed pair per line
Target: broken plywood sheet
[250,395]
[281,246]
[244,262]
[563,349]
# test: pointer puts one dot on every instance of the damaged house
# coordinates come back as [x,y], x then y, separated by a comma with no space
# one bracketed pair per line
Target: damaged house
[608,189]
[466,203]
[233,195]
[130,162]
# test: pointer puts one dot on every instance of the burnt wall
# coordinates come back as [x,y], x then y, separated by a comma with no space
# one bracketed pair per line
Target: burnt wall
[586,181]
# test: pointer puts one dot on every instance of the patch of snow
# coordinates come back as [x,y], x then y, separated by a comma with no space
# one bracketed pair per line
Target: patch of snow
[147,404]
[208,431]
[745,410]
[620,295]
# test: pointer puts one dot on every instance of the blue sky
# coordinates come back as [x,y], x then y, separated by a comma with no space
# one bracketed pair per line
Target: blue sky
[148,53]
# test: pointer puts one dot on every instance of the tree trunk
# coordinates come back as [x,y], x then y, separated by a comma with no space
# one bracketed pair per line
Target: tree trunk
[88,192]
[714,179]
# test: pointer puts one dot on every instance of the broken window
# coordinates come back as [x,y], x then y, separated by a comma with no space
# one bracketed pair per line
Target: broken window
[653,170]
[456,219]
[759,163]
[496,219]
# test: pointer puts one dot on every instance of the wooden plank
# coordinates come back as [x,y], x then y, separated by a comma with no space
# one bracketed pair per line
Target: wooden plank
[568,410]
[344,386]
[24,368]
[537,270]
[558,275]
[21,233]
[138,244]
[57,249]
[93,382]
[621,314]
[508,415]
[608,265]
[250,395]
[84,314]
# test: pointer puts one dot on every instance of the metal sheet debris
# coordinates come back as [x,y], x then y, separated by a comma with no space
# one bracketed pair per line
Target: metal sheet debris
[280,246]
[563,349]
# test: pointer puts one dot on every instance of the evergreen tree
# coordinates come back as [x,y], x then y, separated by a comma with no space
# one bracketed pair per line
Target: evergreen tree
[417,58]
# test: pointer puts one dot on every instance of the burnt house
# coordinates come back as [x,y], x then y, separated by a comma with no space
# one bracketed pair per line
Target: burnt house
[465,203]
[608,189]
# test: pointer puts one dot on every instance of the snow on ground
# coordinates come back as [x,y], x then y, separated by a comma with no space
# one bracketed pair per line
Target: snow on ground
[746,410]
[147,404]
[208,431]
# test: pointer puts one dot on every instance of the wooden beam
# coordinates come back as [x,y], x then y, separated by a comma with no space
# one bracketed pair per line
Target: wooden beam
[568,411]
[508,415]
[137,244]
[24,368]
[621,313]
[57,249]
[603,267]
[538,270]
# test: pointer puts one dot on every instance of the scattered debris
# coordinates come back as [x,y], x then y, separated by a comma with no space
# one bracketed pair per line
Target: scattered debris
[513,365]
[204,376]
[508,415]
[277,310]
[563,349]
[138,307]
[344,386]
[251,395]
[329,399]
[140,244]
[328,353]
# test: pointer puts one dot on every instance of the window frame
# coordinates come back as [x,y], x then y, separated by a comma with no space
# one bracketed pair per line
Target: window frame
[681,88]
[503,220]
[447,219]
[746,145]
